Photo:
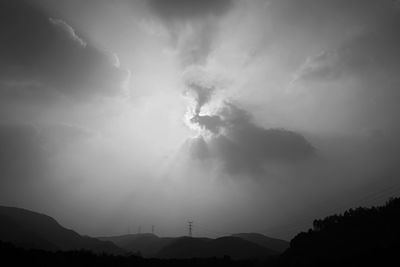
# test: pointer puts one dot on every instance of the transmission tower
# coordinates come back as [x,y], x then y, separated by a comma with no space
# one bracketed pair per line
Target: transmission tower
[190,227]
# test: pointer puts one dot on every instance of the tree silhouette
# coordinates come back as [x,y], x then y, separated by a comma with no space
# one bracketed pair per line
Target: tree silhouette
[358,236]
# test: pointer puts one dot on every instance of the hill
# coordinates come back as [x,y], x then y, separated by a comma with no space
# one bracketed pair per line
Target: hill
[15,256]
[29,229]
[358,237]
[362,236]
[150,245]
[147,244]
[278,245]
[234,247]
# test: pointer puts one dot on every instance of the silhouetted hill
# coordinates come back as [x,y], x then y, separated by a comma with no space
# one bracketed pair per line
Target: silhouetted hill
[147,244]
[277,245]
[13,256]
[234,247]
[150,245]
[29,229]
[359,237]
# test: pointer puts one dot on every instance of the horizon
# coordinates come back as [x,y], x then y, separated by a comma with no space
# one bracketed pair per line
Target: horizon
[239,116]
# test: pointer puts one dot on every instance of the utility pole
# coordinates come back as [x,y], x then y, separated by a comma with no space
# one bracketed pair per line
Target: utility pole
[152,229]
[190,226]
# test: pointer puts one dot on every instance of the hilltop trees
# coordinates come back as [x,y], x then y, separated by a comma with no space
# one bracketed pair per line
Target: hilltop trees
[359,235]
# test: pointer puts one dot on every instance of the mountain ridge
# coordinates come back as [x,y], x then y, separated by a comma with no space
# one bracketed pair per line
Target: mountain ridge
[276,244]
[150,245]
[30,229]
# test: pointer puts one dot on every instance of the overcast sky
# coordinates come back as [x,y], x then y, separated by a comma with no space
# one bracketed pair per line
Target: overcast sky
[243,116]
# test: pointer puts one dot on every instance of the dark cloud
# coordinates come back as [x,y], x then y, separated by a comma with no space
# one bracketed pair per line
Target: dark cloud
[264,143]
[236,140]
[36,49]
[188,9]
[372,46]
[244,147]
[202,94]
[210,123]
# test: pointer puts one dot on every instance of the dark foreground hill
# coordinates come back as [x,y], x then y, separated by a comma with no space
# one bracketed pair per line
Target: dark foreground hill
[29,229]
[236,246]
[15,256]
[359,237]
[147,244]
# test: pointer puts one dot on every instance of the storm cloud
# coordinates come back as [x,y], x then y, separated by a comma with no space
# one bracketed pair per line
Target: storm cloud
[38,51]
[242,146]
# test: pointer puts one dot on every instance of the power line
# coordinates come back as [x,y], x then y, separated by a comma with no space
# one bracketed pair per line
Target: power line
[190,227]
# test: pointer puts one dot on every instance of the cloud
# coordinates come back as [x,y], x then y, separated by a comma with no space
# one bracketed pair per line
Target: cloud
[21,156]
[27,144]
[68,30]
[328,65]
[210,123]
[202,94]
[196,43]
[193,26]
[189,10]
[244,147]
[40,50]
[30,152]
[229,135]
[369,48]
[56,137]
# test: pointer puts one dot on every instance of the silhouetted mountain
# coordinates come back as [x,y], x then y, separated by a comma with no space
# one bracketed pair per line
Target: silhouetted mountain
[277,245]
[14,256]
[147,244]
[359,237]
[150,245]
[234,247]
[29,229]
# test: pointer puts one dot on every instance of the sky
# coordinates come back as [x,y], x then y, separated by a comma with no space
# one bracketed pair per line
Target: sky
[242,116]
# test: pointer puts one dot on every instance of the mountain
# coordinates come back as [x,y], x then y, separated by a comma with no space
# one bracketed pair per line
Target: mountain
[278,245]
[150,245]
[29,229]
[234,247]
[147,244]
